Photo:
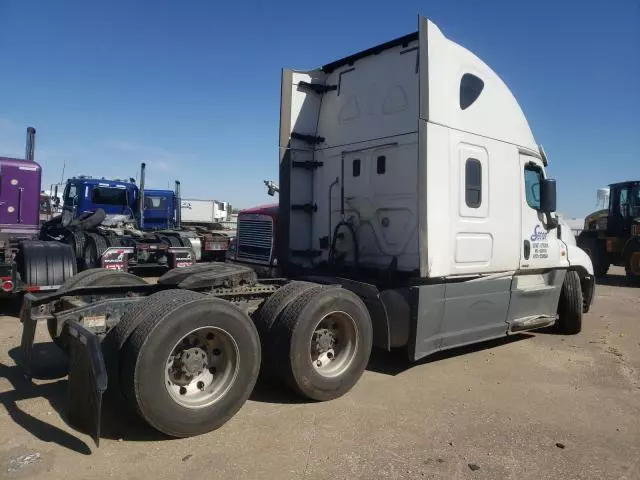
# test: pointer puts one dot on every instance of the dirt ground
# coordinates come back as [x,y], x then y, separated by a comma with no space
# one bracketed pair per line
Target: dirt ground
[535,406]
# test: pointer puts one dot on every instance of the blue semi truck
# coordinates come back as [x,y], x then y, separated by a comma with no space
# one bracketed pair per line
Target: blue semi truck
[118,224]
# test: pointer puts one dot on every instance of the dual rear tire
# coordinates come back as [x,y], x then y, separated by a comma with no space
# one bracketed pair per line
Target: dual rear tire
[317,339]
[191,362]
[186,362]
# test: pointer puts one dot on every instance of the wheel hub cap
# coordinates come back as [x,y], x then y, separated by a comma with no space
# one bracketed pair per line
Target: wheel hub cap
[188,364]
[334,344]
[202,367]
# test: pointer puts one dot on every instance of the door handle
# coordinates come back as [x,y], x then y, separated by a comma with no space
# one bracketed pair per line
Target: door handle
[527,249]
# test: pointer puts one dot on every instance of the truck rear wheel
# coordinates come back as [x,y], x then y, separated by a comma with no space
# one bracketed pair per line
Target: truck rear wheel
[190,364]
[89,278]
[570,306]
[78,242]
[631,256]
[171,240]
[322,342]
[268,314]
[271,309]
[96,245]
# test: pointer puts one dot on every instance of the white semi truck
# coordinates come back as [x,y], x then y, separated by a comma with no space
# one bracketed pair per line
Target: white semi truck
[415,212]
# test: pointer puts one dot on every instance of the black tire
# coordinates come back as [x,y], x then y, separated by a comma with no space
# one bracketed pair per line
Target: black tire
[78,241]
[171,240]
[96,245]
[597,252]
[631,256]
[169,316]
[268,314]
[271,309]
[291,337]
[114,240]
[570,306]
[53,223]
[43,263]
[87,220]
[89,278]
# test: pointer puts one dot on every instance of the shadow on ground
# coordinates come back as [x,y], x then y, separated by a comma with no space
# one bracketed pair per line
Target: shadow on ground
[389,363]
[49,363]
[616,281]
[50,366]
[395,362]
[54,392]
[11,306]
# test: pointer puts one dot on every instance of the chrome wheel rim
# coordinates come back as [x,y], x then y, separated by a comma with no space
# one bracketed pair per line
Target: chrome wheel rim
[334,344]
[201,367]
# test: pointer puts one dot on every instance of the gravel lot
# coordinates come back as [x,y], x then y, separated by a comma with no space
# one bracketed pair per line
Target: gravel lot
[533,406]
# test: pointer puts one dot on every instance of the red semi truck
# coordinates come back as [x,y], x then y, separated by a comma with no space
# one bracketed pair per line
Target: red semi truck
[255,240]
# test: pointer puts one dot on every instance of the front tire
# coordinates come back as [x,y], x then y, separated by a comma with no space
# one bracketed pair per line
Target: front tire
[570,306]
[191,363]
[322,342]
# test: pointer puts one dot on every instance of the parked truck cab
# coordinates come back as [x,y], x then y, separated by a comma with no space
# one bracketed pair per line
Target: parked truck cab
[85,194]
[159,209]
[412,168]
[255,240]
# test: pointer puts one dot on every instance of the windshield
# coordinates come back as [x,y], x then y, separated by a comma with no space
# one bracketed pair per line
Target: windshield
[70,193]
[155,202]
[109,196]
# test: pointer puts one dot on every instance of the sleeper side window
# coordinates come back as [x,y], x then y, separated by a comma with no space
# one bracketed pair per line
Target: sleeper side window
[470,89]
[473,182]
[356,167]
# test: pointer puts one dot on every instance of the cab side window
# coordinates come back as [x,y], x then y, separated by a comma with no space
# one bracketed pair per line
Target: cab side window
[532,180]
[70,193]
[624,202]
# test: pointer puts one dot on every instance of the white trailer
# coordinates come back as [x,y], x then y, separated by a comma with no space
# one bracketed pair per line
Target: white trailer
[204,212]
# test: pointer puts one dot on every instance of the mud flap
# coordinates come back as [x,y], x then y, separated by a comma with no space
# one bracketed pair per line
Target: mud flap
[180,257]
[29,324]
[87,381]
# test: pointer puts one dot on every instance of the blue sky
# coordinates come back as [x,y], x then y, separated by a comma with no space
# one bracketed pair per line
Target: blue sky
[192,87]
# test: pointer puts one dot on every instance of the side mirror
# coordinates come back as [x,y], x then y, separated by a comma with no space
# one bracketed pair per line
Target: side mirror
[548,195]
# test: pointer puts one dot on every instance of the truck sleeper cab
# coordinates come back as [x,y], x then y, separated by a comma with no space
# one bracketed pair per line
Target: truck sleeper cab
[414,212]
[412,162]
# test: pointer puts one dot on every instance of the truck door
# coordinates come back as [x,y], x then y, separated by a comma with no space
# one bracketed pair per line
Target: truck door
[535,289]
[540,248]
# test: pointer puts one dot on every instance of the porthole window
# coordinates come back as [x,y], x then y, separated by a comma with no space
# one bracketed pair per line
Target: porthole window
[470,89]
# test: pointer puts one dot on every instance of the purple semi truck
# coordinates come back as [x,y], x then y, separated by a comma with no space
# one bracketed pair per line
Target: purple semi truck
[27,264]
